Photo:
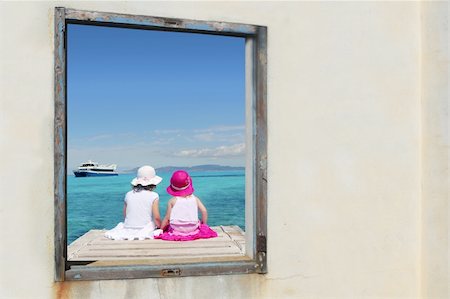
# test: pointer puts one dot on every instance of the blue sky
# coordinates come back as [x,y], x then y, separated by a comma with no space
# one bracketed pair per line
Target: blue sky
[140,97]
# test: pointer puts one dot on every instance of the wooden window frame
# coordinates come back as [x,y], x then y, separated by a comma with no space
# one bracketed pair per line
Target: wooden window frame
[256,103]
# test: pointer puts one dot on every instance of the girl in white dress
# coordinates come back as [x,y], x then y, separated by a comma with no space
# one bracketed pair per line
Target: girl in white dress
[141,208]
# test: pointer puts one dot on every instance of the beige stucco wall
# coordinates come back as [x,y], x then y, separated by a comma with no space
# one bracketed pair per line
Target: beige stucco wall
[435,150]
[347,153]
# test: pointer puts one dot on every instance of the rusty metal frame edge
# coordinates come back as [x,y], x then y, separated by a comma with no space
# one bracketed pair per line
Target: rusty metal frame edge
[161,23]
[261,147]
[157,271]
[60,145]
[259,34]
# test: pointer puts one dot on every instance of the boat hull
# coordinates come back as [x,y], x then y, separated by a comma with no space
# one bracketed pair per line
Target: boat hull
[91,173]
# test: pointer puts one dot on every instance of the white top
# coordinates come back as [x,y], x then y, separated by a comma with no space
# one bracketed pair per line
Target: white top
[185,209]
[139,208]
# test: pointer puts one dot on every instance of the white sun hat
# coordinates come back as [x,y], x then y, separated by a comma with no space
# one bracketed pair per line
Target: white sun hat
[146,175]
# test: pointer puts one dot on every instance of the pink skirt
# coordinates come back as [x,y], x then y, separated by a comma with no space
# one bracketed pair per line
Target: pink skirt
[202,232]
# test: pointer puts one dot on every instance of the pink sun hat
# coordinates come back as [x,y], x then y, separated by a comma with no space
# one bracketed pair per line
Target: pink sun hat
[180,184]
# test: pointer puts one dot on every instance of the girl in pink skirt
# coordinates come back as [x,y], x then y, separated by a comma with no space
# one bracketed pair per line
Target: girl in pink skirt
[181,222]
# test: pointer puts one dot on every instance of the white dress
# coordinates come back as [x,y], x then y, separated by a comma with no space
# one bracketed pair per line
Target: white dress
[138,223]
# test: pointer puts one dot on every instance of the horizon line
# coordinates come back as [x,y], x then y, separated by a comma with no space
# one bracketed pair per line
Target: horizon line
[129,168]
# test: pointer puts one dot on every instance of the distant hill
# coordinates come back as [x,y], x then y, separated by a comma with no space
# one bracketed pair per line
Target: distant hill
[207,167]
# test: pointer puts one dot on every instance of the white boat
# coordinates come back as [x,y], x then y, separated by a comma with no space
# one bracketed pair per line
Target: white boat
[91,168]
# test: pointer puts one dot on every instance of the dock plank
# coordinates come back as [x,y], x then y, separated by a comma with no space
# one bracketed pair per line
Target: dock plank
[94,246]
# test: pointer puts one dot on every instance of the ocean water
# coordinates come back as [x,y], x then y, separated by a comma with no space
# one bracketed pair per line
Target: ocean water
[97,202]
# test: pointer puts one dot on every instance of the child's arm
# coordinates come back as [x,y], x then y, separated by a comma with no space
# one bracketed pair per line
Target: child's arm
[125,207]
[166,219]
[203,210]
[155,212]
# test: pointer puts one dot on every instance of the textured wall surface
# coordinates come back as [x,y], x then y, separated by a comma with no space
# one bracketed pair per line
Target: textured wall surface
[435,150]
[347,153]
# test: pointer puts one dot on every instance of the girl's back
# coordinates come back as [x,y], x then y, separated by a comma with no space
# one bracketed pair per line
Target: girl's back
[139,208]
[185,209]
[181,222]
[141,211]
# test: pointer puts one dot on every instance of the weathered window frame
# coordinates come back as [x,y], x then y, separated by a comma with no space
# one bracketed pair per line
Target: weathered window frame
[256,94]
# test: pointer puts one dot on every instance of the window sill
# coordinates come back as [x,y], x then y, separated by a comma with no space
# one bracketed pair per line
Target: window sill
[93,256]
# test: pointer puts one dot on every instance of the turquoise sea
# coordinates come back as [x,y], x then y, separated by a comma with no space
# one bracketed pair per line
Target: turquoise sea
[97,202]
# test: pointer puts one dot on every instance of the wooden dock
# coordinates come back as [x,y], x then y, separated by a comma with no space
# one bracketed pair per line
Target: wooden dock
[96,248]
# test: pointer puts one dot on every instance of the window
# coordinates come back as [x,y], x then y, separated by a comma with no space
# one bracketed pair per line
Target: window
[256,140]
